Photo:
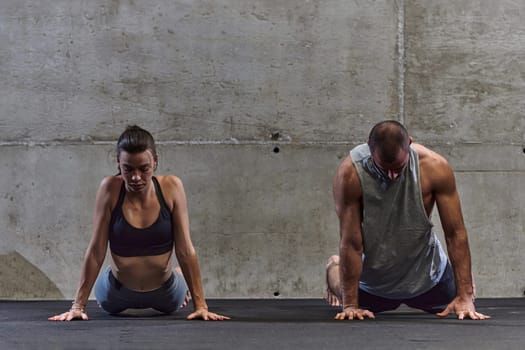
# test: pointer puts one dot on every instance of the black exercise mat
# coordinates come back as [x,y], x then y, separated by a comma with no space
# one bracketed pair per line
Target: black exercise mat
[261,324]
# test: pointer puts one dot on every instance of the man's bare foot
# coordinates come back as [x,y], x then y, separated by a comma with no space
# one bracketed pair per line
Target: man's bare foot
[331,296]
[187,299]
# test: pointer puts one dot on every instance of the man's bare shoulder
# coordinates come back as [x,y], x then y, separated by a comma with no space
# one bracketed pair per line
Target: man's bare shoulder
[428,157]
[346,170]
[346,180]
[434,167]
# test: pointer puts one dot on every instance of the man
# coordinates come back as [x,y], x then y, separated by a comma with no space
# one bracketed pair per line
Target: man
[384,194]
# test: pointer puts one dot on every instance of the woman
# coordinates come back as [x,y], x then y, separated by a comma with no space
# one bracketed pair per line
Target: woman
[144,218]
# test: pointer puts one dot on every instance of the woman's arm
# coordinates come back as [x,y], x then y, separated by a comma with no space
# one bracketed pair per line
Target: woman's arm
[96,251]
[185,251]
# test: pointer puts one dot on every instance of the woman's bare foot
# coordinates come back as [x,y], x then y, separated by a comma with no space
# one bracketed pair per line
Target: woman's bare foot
[187,298]
[332,281]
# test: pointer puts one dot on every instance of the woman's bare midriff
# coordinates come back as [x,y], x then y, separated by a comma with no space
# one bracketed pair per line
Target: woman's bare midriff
[142,273]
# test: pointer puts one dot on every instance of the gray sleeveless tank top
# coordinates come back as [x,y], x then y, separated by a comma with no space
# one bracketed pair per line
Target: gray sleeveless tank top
[402,257]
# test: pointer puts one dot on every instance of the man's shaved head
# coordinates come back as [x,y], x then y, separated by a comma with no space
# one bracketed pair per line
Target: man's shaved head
[388,138]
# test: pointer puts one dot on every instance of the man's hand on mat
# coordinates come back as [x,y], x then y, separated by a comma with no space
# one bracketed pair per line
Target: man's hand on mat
[463,308]
[70,315]
[205,315]
[352,313]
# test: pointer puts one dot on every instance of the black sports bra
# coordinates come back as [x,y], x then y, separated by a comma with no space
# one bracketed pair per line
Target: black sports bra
[126,240]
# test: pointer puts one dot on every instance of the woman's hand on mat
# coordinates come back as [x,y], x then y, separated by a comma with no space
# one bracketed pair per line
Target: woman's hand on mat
[206,315]
[70,315]
[352,313]
[463,307]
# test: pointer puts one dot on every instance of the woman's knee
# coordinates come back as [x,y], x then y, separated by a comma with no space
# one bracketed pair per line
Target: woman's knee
[110,308]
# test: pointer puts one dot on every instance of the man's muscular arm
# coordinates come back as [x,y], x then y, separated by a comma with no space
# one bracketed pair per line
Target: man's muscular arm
[449,207]
[347,196]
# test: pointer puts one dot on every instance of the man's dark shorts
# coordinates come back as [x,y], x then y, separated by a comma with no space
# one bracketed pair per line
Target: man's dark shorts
[433,301]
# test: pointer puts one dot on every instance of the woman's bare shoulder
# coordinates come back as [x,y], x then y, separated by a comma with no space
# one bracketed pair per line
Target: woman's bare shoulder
[111,183]
[170,182]
[172,189]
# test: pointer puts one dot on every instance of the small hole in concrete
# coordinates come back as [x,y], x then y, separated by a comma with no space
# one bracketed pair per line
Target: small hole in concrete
[523,152]
[276,150]
[276,294]
[275,136]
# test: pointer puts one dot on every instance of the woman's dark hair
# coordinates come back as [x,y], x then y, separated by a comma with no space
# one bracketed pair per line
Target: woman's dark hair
[136,140]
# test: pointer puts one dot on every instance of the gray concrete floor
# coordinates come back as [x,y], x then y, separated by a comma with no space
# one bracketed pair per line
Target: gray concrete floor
[261,324]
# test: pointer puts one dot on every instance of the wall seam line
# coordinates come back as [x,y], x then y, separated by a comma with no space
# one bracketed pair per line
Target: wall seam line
[401,59]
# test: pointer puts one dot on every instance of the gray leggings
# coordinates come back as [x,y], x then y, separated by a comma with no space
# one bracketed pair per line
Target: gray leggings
[113,297]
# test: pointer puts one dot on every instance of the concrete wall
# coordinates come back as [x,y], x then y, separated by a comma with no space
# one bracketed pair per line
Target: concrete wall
[465,81]
[254,104]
